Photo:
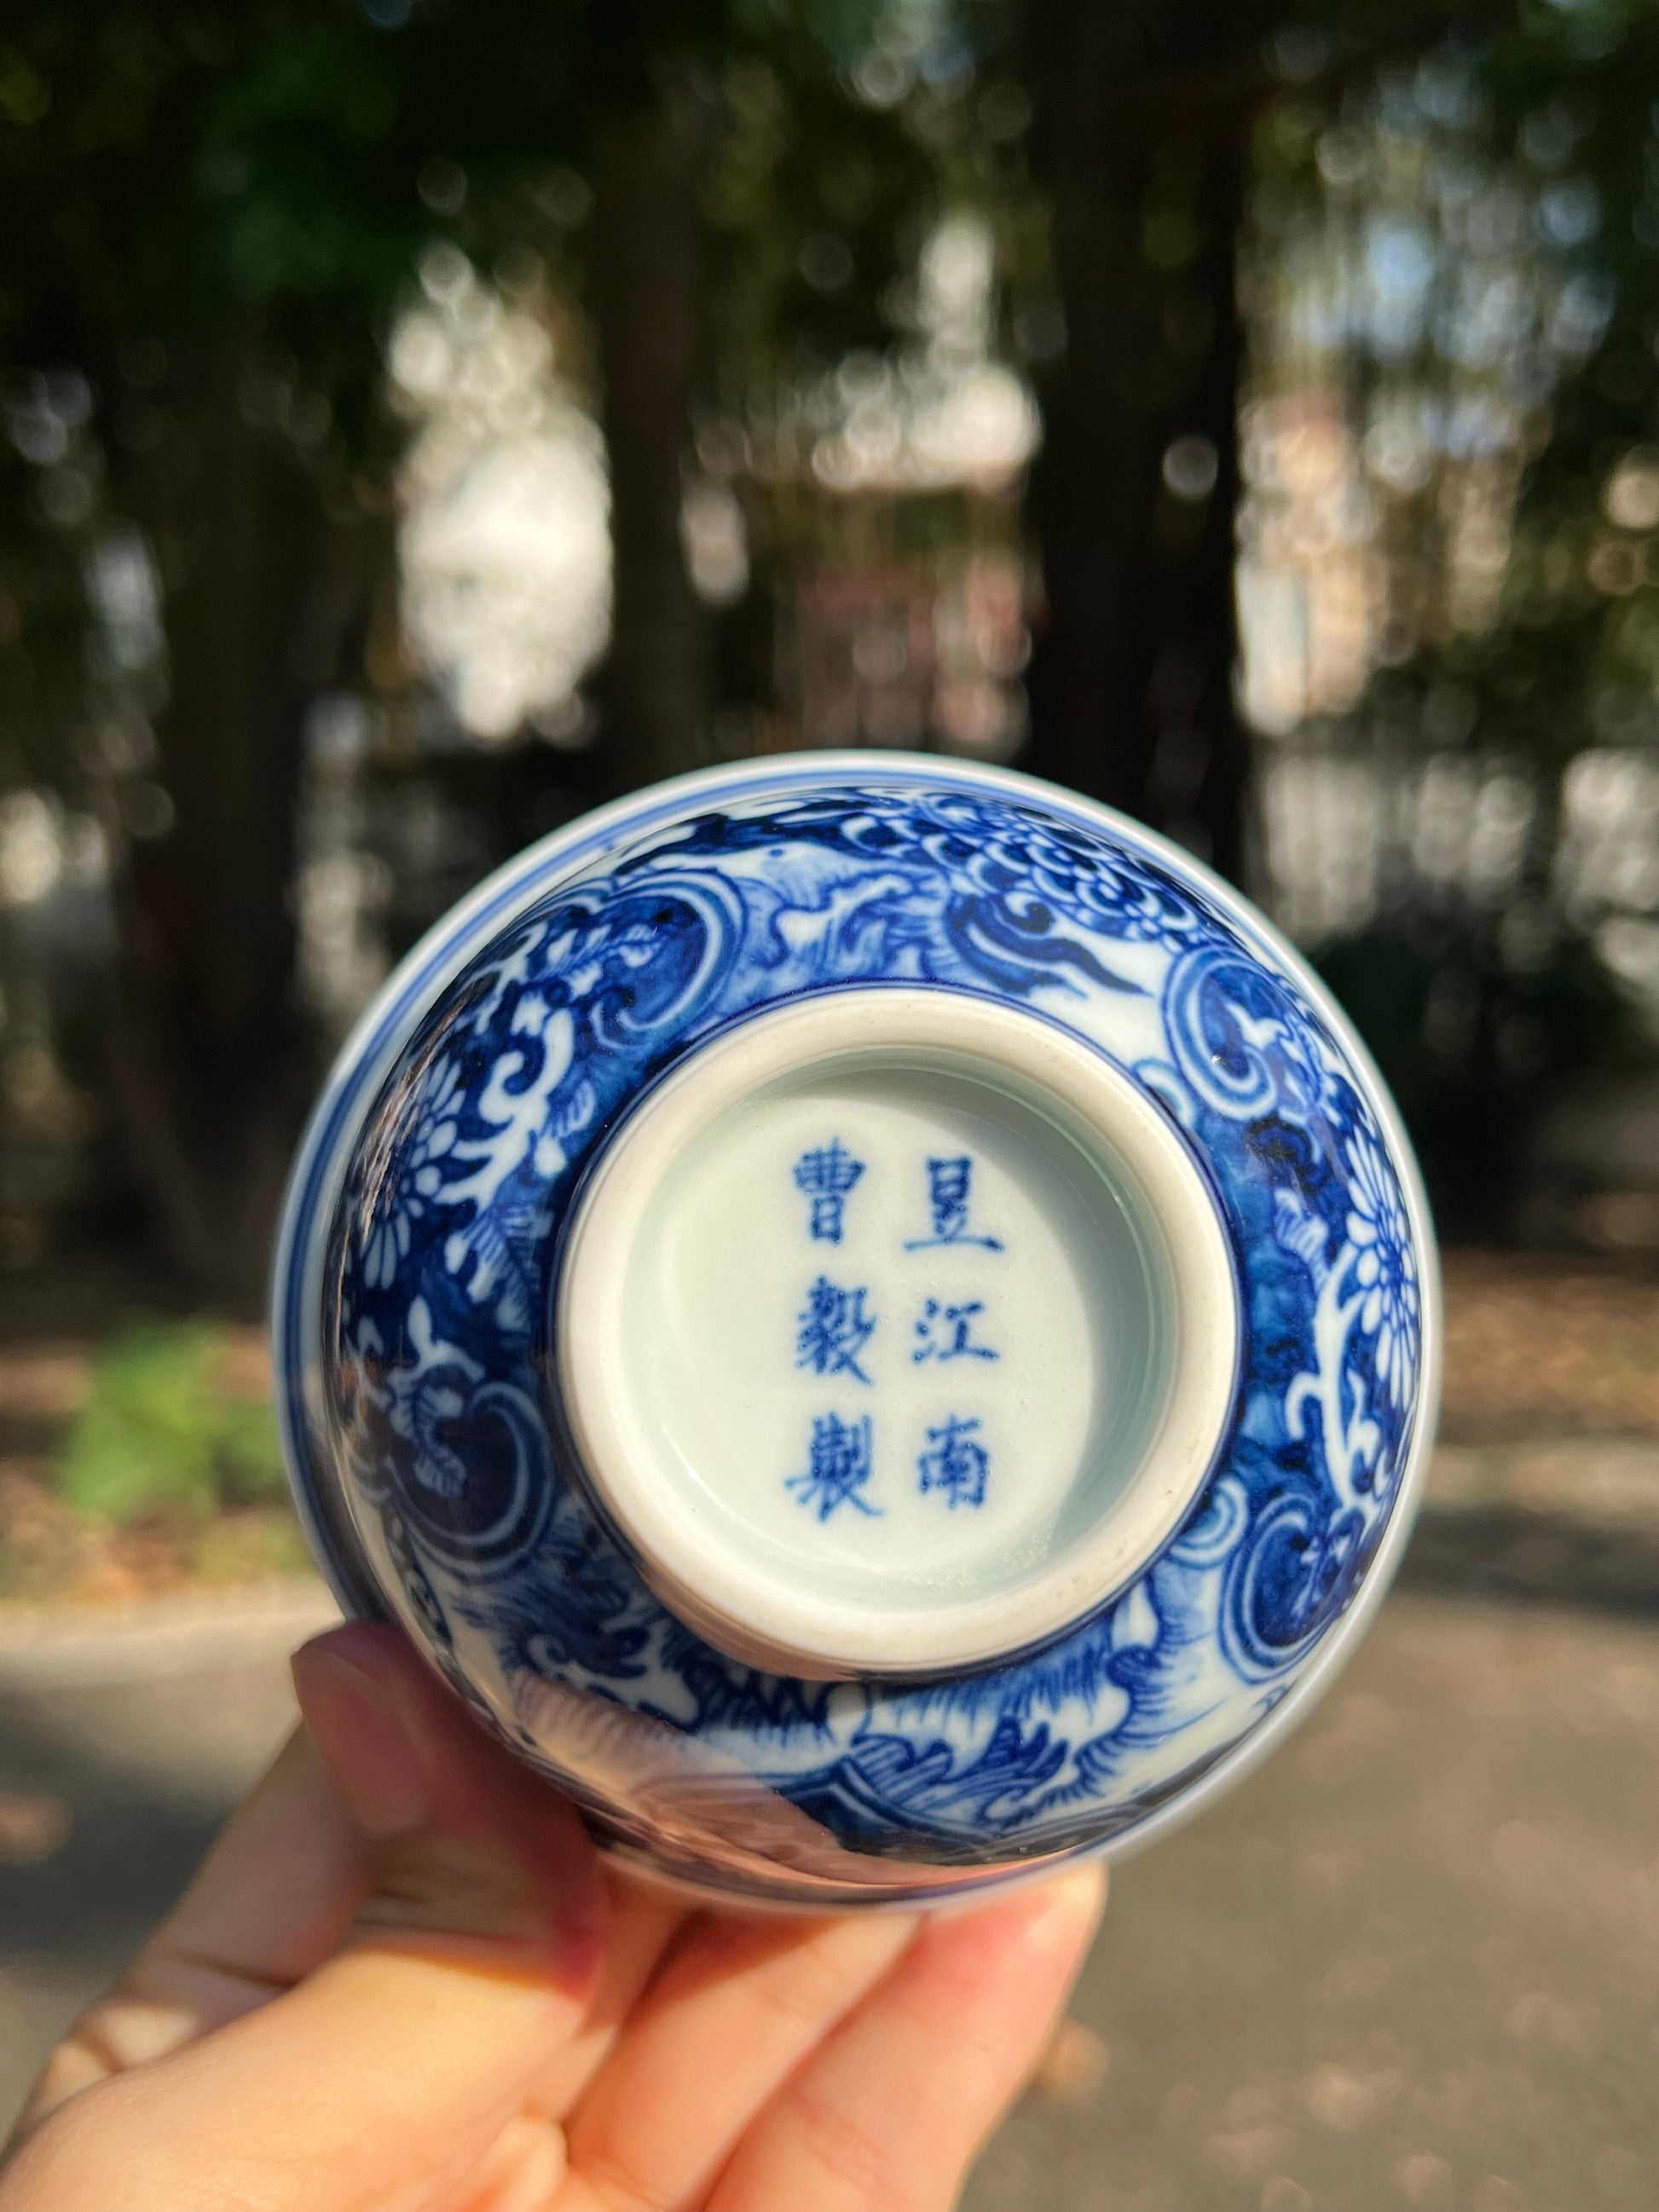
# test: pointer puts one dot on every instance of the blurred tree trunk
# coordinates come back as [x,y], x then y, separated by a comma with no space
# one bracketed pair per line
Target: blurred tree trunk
[210,1072]
[648,300]
[1132,674]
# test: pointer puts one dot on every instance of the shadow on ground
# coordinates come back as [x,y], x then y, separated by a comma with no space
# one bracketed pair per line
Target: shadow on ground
[1527,1557]
[146,1773]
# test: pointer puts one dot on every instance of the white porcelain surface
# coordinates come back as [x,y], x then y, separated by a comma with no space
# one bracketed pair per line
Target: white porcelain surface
[896,1333]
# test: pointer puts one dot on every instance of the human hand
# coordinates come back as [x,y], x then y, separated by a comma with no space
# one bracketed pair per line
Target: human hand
[402,1982]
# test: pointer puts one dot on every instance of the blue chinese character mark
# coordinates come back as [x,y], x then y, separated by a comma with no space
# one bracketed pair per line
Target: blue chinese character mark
[838,1467]
[946,1333]
[834,1329]
[826,1176]
[958,1465]
[948,1190]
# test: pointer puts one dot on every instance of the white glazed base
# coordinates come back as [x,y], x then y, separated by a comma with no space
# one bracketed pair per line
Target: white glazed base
[896,1333]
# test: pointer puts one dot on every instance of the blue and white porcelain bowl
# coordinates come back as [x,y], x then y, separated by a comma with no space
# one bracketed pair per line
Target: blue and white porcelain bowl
[872,1319]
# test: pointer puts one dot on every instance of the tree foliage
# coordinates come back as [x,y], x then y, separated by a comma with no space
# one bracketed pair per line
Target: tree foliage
[216,213]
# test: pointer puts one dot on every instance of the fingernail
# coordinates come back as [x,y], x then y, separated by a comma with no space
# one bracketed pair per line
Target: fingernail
[1074,1903]
[372,1759]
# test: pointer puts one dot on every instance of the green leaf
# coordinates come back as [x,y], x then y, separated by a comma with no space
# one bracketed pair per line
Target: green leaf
[168,1432]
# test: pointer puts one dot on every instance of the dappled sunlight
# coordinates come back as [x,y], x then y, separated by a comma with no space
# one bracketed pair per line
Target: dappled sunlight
[902,616]
[970,393]
[504,543]
[937,411]
[1420,297]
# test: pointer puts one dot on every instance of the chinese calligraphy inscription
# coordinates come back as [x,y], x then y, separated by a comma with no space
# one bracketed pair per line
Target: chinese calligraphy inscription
[836,1324]
[833,1330]
[838,1467]
[826,1176]
[948,1185]
[956,1462]
[946,1333]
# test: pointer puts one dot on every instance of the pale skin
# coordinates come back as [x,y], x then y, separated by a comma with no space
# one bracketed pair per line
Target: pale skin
[405,1981]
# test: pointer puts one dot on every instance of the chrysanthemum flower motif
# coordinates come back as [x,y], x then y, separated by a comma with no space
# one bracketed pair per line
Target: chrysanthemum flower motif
[419,1179]
[1385,1268]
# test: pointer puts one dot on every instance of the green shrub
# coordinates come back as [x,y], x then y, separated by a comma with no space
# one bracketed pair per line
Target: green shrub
[173,1427]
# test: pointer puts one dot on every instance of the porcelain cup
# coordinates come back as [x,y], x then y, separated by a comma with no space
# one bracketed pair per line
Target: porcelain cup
[871,1318]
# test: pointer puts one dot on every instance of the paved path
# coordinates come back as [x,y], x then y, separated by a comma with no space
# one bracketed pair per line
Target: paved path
[1414,1963]
[120,1753]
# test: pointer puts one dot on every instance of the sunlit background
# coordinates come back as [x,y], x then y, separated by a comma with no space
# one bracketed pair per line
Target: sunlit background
[423,420]
[382,493]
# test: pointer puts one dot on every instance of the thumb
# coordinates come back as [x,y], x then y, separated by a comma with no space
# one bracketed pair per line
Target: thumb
[392,2068]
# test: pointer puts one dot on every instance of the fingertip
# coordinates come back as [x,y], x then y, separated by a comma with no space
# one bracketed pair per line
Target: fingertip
[357,1721]
[1054,1922]
[423,1782]
[1058,1908]
[373,1647]
[366,1678]
[1074,1903]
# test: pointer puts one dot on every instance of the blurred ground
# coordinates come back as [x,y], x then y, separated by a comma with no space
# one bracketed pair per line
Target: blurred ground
[121,1751]
[1413,1964]
[1535,1345]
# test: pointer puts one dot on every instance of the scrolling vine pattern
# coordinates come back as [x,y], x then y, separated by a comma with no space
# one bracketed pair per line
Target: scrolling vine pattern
[436,1331]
